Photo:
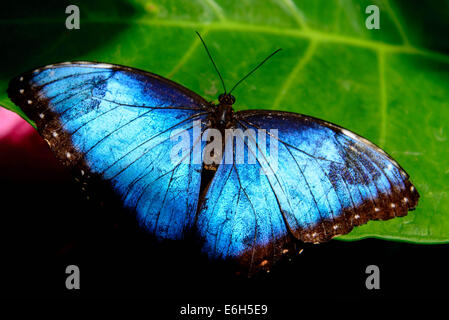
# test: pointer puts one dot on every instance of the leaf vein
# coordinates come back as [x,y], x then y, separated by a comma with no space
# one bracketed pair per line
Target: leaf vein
[302,62]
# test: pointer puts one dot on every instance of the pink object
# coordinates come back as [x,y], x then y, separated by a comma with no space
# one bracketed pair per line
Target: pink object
[12,127]
[24,155]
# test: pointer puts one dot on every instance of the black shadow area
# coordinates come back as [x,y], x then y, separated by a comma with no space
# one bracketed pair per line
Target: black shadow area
[48,225]
[34,33]
[426,22]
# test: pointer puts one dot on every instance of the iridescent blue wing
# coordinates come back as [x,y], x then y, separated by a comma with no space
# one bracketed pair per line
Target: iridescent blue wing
[114,123]
[326,180]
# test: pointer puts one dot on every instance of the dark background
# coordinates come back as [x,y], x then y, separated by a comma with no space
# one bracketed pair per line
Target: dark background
[47,224]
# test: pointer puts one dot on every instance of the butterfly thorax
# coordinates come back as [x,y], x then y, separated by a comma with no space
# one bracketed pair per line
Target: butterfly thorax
[221,119]
[224,112]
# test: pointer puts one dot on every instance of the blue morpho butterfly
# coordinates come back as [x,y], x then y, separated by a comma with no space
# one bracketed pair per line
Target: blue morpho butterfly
[115,124]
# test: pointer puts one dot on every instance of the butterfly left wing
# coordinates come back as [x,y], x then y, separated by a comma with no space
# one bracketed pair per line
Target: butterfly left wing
[113,124]
[324,181]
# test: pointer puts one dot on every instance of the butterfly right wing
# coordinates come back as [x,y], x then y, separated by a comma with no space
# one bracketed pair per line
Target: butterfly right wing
[325,181]
[114,124]
[329,178]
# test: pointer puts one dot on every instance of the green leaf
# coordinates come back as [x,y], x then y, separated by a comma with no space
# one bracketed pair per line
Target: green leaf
[388,85]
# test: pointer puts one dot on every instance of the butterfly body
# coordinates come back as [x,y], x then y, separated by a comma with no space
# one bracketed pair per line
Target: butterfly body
[224,116]
[117,124]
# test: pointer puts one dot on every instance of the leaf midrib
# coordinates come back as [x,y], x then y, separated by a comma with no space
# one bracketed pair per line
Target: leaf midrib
[245,27]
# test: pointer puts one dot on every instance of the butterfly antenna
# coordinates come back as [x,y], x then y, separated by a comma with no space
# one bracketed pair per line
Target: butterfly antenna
[210,57]
[257,67]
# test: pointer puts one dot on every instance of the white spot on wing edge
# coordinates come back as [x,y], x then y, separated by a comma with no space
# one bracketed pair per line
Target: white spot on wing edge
[350,134]
[81,63]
